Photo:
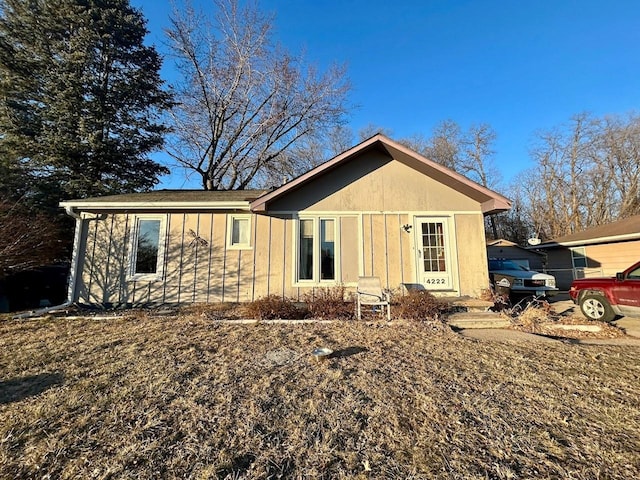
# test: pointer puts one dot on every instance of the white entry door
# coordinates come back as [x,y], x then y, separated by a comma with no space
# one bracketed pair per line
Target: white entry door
[434,260]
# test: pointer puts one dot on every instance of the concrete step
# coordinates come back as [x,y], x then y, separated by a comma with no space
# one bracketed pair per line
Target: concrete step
[478,320]
[470,304]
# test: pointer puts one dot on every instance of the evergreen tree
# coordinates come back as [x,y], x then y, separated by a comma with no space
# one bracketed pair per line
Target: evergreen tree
[80,100]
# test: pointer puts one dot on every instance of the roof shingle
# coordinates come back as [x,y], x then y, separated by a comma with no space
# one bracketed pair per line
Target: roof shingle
[169,196]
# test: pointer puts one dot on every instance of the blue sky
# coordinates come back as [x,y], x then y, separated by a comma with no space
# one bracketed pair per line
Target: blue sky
[519,66]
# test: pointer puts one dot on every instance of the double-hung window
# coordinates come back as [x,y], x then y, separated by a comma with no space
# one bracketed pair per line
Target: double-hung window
[147,248]
[316,252]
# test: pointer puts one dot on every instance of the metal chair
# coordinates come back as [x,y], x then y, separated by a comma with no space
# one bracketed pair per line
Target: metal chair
[370,292]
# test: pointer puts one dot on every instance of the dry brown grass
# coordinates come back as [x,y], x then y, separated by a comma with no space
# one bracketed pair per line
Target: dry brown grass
[546,321]
[194,398]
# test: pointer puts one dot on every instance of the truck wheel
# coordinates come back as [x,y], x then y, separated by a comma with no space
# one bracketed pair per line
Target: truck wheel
[596,307]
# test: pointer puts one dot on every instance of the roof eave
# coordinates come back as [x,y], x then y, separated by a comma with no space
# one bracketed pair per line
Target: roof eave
[82,205]
[495,205]
[591,241]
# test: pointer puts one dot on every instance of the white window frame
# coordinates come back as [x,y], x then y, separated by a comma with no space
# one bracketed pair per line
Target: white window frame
[133,248]
[238,246]
[450,251]
[315,277]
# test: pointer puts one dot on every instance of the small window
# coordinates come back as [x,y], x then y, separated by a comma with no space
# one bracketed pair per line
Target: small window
[239,232]
[579,257]
[147,248]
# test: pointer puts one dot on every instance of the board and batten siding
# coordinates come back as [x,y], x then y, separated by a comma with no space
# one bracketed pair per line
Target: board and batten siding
[473,264]
[200,267]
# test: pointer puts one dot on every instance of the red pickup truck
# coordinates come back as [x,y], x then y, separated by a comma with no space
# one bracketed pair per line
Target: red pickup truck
[605,298]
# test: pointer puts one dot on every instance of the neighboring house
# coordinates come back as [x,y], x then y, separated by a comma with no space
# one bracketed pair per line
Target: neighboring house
[378,209]
[510,250]
[597,251]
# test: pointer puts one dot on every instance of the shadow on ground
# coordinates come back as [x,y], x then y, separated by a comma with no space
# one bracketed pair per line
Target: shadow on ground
[347,352]
[18,389]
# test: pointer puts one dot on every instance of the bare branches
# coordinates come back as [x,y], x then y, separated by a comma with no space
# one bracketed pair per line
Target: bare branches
[467,152]
[242,102]
[446,144]
[27,239]
[587,174]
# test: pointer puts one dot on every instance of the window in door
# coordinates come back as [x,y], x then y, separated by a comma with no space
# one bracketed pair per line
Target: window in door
[433,247]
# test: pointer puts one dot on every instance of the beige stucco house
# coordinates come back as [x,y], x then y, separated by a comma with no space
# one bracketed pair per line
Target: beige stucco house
[597,251]
[378,209]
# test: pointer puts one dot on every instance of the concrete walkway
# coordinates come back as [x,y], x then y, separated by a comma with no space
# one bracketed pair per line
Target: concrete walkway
[562,305]
[630,326]
[504,335]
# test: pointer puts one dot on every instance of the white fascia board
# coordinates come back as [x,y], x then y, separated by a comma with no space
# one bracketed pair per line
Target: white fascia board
[591,241]
[80,205]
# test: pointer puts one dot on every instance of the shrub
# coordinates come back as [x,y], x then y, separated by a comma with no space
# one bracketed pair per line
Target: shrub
[273,307]
[500,301]
[532,318]
[329,303]
[419,305]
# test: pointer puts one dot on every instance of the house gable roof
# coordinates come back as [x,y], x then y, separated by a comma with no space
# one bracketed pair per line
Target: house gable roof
[491,202]
[258,200]
[622,230]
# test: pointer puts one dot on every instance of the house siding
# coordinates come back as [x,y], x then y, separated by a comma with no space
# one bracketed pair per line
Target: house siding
[473,267]
[194,271]
[372,197]
[613,257]
[349,251]
[605,259]
[560,266]
[375,182]
[387,250]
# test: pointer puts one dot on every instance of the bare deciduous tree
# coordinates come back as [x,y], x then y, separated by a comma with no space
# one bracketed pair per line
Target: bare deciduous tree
[371,129]
[587,173]
[446,144]
[515,224]
[620,143]
[311,151]
[242,103]
[469,153]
